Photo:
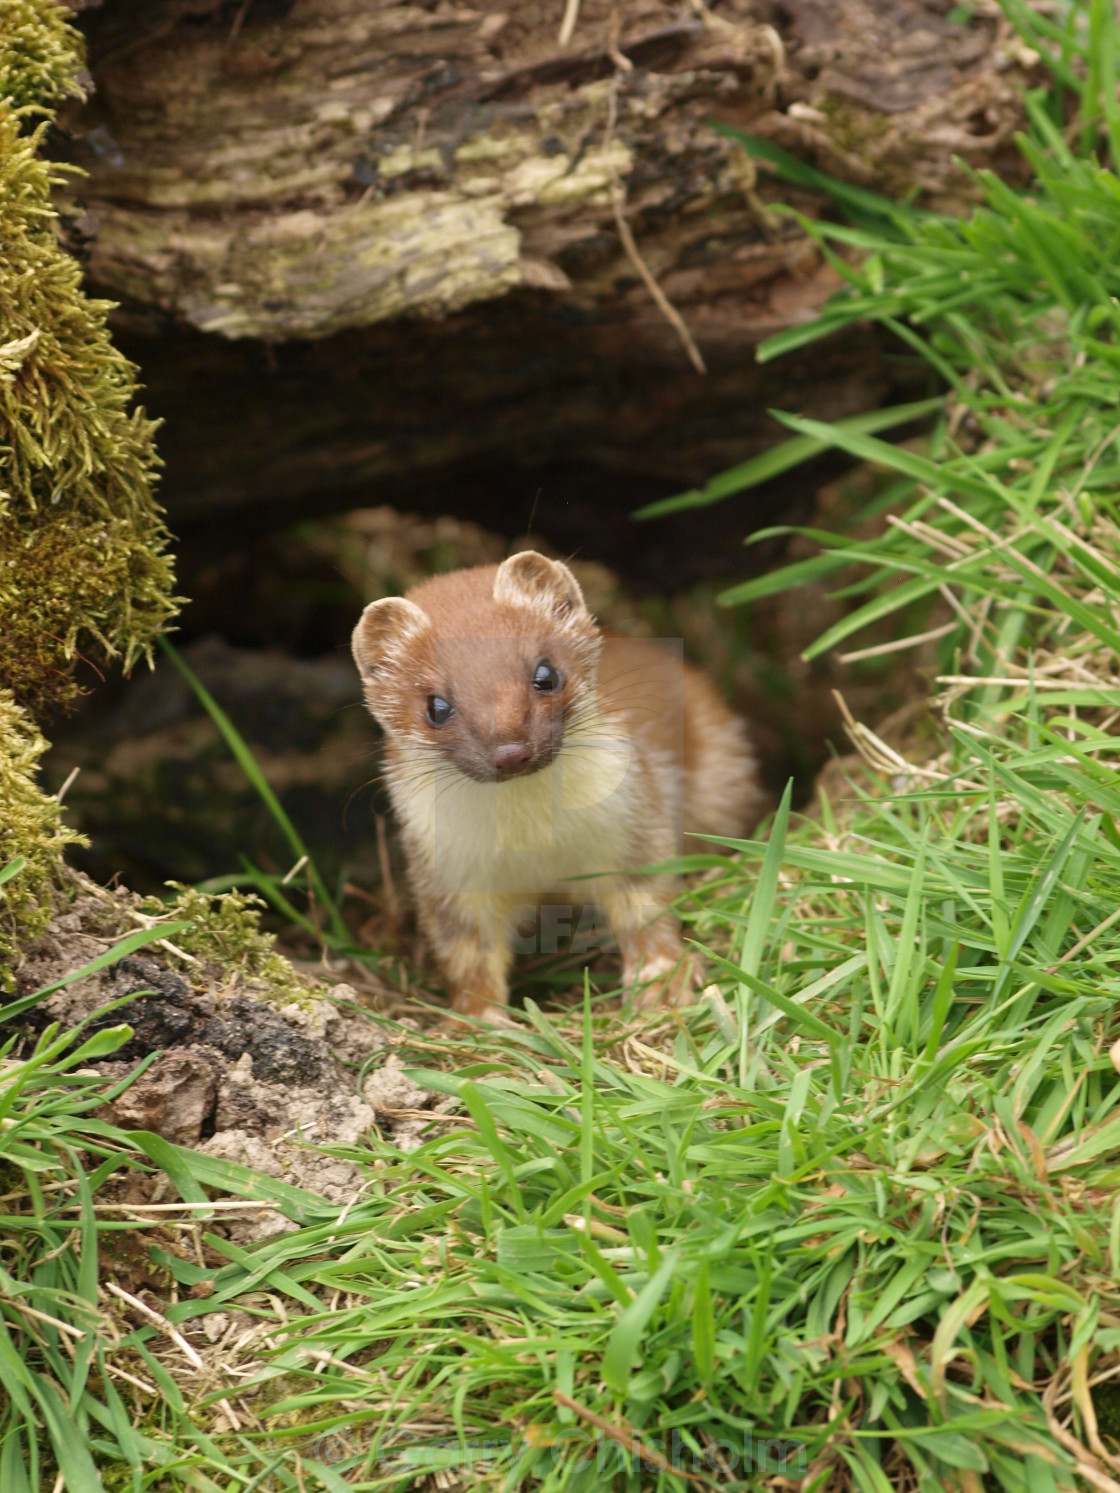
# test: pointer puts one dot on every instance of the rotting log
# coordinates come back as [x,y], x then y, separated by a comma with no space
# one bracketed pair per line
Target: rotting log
[366,251]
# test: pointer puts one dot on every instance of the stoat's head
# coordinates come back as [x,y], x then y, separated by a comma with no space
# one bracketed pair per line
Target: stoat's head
[487,667]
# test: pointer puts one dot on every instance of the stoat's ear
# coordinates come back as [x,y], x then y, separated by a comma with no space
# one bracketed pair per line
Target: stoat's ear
[530,580]
[384,632]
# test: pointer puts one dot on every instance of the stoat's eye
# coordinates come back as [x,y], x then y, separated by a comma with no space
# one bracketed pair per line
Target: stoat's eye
[546,678]
[440,710]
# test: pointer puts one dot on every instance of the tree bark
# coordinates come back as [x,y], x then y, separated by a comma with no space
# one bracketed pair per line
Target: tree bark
[367,248]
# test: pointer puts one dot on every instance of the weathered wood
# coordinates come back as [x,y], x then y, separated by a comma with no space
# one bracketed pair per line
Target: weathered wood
[345,163]
[378,243]
[284,170]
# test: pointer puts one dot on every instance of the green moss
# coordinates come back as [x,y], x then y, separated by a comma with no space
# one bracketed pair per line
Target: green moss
[40,53]
[83,548]
[225,931]
[852,128]
[31,830]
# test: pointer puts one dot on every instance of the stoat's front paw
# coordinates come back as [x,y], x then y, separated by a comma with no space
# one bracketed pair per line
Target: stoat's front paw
[664,981]
[466,1007]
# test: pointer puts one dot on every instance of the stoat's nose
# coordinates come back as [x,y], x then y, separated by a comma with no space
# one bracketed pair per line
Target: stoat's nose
[511,758]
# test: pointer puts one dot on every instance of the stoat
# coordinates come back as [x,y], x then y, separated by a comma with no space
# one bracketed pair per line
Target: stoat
[527,751]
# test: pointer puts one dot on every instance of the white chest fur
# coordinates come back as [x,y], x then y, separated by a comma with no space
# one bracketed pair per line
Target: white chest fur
[527,836]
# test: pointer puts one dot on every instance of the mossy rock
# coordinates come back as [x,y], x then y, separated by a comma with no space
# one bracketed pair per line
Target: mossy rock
[84,567]
[32,838]
[224,936]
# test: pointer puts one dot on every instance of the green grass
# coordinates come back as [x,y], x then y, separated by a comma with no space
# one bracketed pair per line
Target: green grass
[66,1368]
[53,1158]
[863,1211]
[334,932]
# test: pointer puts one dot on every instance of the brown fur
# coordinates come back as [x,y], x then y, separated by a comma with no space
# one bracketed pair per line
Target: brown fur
[521,791]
